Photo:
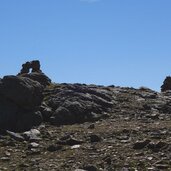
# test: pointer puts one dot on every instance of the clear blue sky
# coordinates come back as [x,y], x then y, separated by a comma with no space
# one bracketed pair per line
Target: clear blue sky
[119,42]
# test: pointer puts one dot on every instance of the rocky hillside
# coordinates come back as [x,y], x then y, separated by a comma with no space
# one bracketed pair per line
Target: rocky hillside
[50,126]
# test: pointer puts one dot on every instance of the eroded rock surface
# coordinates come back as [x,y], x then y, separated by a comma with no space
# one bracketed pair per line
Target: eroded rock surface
[76,103]
[39,77]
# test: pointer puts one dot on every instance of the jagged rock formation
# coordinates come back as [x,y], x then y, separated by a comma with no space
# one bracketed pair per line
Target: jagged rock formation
[34,65]
[166,84]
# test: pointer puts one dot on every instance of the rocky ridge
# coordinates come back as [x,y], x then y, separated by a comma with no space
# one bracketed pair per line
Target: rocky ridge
[49,126]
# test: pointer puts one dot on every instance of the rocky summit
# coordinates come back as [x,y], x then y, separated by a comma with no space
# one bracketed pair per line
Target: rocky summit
[78,127]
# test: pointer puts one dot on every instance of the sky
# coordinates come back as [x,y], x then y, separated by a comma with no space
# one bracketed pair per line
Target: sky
[106,42]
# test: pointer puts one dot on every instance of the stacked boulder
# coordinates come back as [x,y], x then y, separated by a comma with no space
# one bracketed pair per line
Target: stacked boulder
[36,74]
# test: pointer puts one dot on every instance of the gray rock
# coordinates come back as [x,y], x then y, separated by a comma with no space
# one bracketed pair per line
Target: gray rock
[23,92]
[77,103]
[33,145]
[90,168]
[32,135]
[53,148]
[140,144]
[39,77]
[95,138]
[69,140]
[157,146]
[5,158]
[19,99]
[46,113]
[15,136]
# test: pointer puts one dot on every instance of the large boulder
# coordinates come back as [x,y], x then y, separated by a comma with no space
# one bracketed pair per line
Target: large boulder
[22,91]
[166,84]
[20,99]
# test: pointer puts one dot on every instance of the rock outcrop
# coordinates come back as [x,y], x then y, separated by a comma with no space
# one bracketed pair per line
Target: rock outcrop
[166,84]
[39,77]
[77,103]
[29,98]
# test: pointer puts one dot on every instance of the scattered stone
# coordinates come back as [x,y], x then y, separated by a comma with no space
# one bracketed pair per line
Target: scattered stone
[108,160]
[70,141]
[7,154]
[90,168]
[92,126]
[153,116]
[5,158]
[53,148]
[95,138]
[151,169]
[24,165]
[155,135]
[162,166]
[141,144]
[75,146]
[33,145]
[15,136]
[33,151]
[32,135]
[157,146]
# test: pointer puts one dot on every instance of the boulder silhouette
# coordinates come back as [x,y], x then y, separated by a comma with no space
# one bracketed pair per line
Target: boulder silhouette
[166,84]
[36,74]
